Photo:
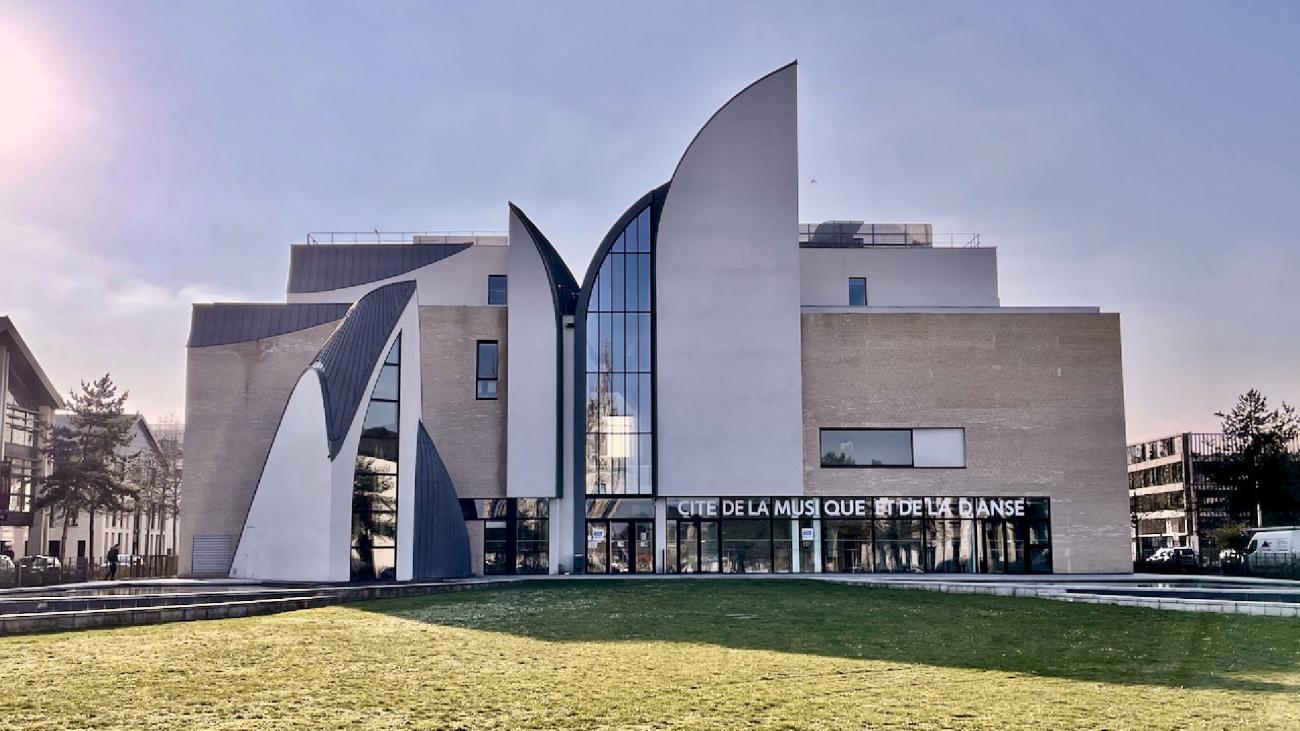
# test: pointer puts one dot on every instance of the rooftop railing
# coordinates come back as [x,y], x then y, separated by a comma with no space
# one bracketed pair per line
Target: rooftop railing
[853,234]
[481,238]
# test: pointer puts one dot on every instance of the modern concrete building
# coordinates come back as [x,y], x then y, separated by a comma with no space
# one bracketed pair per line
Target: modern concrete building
[27,404]
[726,390]
[1174,500]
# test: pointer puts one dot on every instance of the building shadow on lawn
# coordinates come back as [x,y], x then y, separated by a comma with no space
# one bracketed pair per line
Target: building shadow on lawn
[1090,642]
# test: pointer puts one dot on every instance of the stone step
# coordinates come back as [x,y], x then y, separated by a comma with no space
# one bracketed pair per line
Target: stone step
[55,603]
[11,624]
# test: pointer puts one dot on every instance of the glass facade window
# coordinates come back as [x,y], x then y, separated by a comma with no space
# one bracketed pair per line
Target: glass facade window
[746,546]
[22,476]
[374,482]
[846,546]
[857,292]
[857,535]
[496,289]
[898,546]
[874,447]
[486,370]
[516,534]
[866,447]
[620,536]
[619,353]
[21,426]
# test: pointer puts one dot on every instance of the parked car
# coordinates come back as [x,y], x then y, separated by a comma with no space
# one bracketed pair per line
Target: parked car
[39,569]
[1171,557]
[129,559]
[1230,557]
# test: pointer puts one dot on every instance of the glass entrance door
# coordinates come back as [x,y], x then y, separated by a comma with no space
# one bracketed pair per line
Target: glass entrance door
[620,547]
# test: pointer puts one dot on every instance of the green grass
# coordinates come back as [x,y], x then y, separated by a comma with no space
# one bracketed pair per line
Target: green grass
[668,654]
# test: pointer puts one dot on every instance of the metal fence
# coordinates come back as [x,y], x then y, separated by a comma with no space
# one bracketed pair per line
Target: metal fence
[325,238]
[79,570]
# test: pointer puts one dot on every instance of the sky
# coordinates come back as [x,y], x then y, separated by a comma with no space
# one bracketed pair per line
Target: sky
[1141,157]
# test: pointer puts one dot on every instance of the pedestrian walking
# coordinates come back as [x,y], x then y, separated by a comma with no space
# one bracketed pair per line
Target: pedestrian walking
[112,563]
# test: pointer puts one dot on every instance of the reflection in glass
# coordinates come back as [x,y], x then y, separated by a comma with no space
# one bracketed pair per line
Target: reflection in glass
[386,385]
[898,546]
[866,447]
[374,481]
[746,546]
[950,546]
[690,547]
[486,370]
[645,547]
[846,546]
[670,547]
[597,547]
[620,547]
[381,420]
[618,422]
[782,547]
[496,540]
[709,562]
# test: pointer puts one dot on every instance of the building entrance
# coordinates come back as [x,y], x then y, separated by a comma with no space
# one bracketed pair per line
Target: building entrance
[620,547]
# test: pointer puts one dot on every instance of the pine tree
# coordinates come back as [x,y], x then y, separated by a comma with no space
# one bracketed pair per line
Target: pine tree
[89,463]
[1260,466]
[62,488]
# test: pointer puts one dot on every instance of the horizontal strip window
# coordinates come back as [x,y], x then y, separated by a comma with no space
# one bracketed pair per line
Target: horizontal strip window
[877,447]
[886,535]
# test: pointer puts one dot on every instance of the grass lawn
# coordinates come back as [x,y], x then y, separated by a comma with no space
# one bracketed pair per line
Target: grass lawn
[668,654]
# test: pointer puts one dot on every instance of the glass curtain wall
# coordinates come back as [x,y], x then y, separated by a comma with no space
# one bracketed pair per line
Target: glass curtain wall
[516,533]
[374,483]
[619,438]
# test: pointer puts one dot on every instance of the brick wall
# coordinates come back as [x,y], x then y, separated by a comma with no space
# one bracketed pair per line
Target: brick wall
[469,433]
[1040,395]
[234,398]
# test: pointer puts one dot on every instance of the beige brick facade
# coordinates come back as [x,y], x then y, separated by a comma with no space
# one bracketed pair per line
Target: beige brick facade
[1040,396]
[234,398]
[470,433]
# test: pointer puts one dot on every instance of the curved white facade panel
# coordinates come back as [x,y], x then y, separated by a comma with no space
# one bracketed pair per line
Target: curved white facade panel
[531,325]
[727,303]
[289,534]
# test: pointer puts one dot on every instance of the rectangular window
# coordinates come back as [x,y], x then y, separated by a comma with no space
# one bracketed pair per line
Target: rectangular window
[871,447]
[857,291]
[486,369]
[866,448]
[496,289]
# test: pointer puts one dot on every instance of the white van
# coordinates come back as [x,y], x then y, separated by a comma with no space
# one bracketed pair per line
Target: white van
[1274,546]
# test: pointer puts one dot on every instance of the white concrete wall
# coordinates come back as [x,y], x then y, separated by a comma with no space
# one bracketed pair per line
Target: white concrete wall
[460,279]
[727,303]
[900,277]
[288,532]
[531,408]
[299,527]
[409,408]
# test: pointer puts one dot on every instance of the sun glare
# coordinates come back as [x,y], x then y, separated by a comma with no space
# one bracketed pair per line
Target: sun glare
[28,96]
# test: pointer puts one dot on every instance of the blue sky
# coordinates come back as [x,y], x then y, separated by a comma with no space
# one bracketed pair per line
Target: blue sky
[1141,157]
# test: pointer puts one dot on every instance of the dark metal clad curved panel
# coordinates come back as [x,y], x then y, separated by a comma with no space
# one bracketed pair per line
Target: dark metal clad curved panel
[564,288]
[353,351]
[319,268]
[223,324]
[441,548]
